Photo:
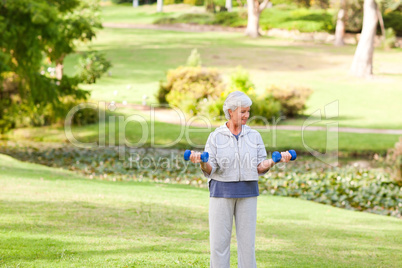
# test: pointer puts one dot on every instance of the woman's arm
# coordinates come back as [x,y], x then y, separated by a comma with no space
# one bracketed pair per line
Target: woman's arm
[206,167]
[265,165]
[195,157]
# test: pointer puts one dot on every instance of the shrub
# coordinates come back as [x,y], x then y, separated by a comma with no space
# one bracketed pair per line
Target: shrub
[292,99]
[194,2]
[92,65]
[264,107]
[194,60]
[187,86]
[165,20]
[195,18]
[390,39]
[350,188]
[227,19]
[16,111]
[394,161]
[240,80]
[394,20]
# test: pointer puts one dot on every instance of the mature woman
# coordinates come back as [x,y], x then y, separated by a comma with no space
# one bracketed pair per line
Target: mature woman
[237,156]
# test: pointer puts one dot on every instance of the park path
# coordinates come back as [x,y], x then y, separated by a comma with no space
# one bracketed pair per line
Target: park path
[170,116]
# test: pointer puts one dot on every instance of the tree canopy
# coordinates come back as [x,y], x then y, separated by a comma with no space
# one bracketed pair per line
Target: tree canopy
[35,32]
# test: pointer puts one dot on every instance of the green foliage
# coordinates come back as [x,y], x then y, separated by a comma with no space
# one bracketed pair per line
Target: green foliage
[394,20]
[186,87]
[187,18]
[121,1]
[194,60]
[92,65]
[350,188]
[264,107]
[304,20]
[194,2]
[394,161]
[292,99]
[30,31]
[390,39]
[227,19]
[353,16]
[240,80]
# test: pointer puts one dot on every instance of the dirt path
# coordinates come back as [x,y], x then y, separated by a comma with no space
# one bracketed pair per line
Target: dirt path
[172,117]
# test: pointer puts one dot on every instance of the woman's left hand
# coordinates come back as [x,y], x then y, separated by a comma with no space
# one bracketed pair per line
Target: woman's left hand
[286,156]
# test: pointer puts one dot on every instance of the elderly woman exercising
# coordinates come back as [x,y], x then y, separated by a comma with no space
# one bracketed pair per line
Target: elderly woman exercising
[237,156]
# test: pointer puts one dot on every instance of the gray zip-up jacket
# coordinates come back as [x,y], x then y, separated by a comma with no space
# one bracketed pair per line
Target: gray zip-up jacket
[235,160]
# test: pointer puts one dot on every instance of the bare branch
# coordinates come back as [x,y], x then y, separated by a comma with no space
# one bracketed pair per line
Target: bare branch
[265,4]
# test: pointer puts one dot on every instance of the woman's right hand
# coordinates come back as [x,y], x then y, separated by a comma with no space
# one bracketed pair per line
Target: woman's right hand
[195,157]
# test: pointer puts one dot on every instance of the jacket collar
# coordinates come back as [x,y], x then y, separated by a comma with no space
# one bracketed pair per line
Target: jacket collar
[226,131]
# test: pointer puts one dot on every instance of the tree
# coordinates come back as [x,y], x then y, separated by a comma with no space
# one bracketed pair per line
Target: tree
[228,5]
[362,65]
[159,6]
[254,9]
[78,24]
[340,24]
[32,30]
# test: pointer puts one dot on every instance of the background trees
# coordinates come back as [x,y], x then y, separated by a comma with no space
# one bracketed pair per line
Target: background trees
[36,34]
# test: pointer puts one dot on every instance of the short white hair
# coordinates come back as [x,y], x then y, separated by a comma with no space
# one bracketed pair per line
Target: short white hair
[234,100]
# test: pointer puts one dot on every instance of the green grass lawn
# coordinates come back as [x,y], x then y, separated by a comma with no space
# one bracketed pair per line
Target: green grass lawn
[145,14]
[54,218]
[305,20]
[176,136]
[141,58]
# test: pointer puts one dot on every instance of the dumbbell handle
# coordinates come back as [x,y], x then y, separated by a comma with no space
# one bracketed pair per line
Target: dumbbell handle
[204,156]
[276,156]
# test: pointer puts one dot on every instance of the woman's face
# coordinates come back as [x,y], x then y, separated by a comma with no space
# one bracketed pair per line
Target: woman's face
[240,115]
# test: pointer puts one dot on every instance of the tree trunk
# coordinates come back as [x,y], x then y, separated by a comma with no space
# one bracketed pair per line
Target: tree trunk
[135,3]
[159,6]
[229,5]
[253,18]
[59,68]
[340,25]
[381,20]
[362,65]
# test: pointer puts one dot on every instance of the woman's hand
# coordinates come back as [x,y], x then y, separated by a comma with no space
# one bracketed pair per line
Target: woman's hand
[286,156]
[195,157]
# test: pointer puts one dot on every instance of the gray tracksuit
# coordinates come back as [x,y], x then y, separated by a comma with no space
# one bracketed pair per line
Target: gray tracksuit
[233,160]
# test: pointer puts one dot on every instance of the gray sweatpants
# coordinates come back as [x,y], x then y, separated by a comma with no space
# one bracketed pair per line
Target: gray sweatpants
[221,213]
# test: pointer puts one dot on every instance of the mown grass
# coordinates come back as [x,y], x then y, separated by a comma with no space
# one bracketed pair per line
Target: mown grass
[303,20]
[145,14]
[290,18]
[159,134]
[141,59]
[54,218]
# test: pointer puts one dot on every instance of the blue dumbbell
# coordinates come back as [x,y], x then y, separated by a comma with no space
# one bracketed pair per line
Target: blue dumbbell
[204,156]
[276,156]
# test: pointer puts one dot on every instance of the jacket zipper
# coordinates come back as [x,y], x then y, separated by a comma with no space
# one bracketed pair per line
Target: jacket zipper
[238,156]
